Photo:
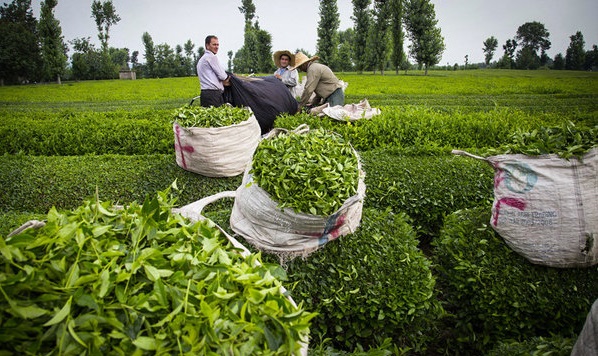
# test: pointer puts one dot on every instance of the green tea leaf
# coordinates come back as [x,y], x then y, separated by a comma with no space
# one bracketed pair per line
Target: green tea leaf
[63,313]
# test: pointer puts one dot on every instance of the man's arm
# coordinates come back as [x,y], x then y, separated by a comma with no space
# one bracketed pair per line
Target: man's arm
[313,77]
[217,68]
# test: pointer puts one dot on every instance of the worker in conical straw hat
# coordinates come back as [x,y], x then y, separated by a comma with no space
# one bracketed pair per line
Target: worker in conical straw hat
[285,61]
[321,81]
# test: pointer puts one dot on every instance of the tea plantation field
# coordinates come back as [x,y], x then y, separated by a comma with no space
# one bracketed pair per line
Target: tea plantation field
[425,274]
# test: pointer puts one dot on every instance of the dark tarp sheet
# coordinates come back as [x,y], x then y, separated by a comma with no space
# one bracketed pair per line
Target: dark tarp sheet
[266,96]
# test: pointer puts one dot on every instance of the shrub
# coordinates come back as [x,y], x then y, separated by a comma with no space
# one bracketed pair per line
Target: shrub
[369,286]
[494,294]
[425,187]
[86,133]
[35,184]
[536,346]
[404,127]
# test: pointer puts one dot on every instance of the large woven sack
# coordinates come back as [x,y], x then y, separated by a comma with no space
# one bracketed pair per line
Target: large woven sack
[546,207]
[216,151]
[257,217]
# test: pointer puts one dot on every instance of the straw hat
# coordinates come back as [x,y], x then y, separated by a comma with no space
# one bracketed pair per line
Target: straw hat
[276,57]
[301,58]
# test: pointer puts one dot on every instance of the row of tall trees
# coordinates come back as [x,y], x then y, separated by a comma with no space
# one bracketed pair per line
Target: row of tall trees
[527,50]
[377,37]
[32,50]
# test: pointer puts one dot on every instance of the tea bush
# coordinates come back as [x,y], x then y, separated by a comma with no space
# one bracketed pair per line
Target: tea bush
[425,187]
[369,286]
[404,127]
[554,346]
[494,294]
[35,184]
[74,133]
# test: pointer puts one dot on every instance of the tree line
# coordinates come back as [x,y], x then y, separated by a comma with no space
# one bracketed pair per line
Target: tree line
[527,50]
[33,50]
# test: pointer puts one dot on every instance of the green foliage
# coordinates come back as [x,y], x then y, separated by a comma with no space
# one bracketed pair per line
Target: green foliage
[71,133]
[575,55]
[312,173]
[221,116]
[532,36]
[102,95]
[566,141]
[53,47]
[426,187]
[369,286]
[20,57]
[427,43]
[327,46]
[494,294]
[536,346]
[100,280]
[362,18]
[404,127]
[378,35]
[36,184]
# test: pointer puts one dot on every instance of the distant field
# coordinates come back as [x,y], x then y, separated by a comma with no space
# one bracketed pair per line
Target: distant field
[556,91]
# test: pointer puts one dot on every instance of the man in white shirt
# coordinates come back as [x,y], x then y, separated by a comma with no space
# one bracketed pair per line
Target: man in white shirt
[212,77]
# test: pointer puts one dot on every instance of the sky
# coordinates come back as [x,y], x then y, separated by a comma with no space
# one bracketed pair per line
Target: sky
[464,24]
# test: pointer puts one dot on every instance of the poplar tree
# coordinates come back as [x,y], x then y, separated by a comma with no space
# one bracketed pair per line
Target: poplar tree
[105,16]
[575,56]
[345,57]
[263,41]
[328,32]
[150,55]
[398,57]
[427,43]
[53,48]
[379,35]
[361,18]
[246,59]
[490,45]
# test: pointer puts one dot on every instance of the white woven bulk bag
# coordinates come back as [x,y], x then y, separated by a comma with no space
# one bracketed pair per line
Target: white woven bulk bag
[216,151]
[257,217]
[546,207]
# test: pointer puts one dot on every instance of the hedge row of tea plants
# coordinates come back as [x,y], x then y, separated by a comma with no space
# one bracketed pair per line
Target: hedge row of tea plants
[416,126]
[493,294]
[35,184]
[71,133]
[86,133]
[424,187]
[370,286]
